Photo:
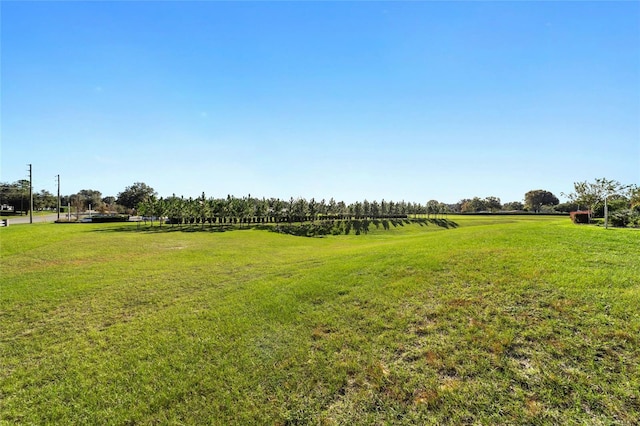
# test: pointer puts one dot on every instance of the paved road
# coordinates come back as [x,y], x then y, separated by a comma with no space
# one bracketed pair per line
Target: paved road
[36,219]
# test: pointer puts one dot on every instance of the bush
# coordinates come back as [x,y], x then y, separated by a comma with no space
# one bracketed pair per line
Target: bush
[624,218]
[347,227]
[579,217]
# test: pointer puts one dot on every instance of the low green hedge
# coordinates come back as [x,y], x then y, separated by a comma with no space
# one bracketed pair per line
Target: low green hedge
[105,219]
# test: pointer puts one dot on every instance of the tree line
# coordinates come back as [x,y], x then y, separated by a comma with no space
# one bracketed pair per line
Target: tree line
[17,195]
[245,210]
[142,199]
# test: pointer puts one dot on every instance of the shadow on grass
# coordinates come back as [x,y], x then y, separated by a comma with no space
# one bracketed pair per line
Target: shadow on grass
[307,229]
[168,228]
[442,223]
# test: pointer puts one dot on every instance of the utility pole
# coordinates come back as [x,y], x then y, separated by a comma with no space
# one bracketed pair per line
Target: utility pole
[30,194]
[58,197]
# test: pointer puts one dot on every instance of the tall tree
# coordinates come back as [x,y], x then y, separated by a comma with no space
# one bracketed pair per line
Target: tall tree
[535,199]
[77,204]
[457,207]
[493,203]
[109,203]
[474,205]
[44,200]
[90,197]
[135,194]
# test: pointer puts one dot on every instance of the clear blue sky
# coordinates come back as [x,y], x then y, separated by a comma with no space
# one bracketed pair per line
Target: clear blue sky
[355,100]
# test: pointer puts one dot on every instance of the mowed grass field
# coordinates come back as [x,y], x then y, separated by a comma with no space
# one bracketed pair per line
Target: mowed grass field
[501,320]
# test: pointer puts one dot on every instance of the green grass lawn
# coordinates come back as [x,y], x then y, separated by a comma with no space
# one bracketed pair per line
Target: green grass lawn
[502,320]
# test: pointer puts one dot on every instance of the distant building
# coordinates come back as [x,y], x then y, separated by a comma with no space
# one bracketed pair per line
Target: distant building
[6,208]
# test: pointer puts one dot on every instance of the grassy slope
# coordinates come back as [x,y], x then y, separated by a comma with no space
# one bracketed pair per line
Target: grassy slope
[502,320]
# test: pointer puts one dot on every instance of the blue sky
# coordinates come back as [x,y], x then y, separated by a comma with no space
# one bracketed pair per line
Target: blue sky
[352,100]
